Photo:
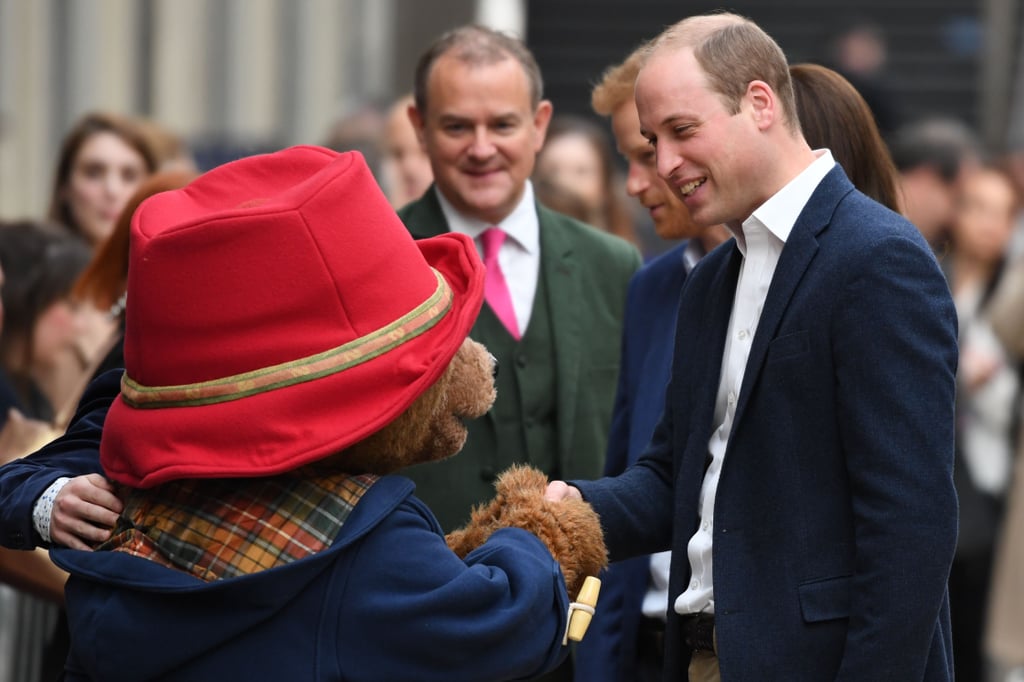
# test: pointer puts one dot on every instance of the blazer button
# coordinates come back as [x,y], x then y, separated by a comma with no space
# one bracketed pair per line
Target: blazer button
[521,361]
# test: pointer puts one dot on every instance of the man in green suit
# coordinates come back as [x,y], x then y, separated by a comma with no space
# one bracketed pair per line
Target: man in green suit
[480,115]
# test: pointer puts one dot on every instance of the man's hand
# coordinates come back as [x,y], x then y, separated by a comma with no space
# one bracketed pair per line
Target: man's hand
[558,491]
[84,511]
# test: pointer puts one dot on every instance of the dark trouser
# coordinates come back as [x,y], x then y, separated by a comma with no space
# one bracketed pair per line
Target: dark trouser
[650,650]
[969,580]
[562,673]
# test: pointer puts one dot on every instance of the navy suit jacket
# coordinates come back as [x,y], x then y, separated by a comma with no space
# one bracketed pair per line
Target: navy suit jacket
[835,515]
[608,652]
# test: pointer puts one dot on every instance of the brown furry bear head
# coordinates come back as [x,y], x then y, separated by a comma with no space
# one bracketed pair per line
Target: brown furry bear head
[433,427]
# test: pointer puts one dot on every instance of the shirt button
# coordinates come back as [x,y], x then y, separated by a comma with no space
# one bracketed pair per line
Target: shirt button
[695,583]
[704,526]
[732,398]
[743,334]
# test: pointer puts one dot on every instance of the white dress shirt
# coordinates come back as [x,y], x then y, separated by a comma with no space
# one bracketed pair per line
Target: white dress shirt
[519,255]
[760,239]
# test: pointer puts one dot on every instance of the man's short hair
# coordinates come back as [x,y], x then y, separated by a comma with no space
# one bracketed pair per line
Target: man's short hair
[616,84]
[733,51]
[477,45]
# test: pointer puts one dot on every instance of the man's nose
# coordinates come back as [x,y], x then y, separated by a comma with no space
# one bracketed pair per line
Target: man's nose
[636,180]
[482,145]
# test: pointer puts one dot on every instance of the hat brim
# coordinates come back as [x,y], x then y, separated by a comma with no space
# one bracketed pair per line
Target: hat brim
[278,430]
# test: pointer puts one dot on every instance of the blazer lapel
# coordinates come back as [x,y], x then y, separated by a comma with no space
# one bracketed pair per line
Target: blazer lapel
[711,344]
[799,251]
[561,269]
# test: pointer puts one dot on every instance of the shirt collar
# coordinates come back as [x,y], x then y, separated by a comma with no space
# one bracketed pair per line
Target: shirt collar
[521,225]
[778,215]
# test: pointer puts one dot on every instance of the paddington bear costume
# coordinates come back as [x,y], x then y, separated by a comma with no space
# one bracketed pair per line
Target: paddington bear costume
[278,313]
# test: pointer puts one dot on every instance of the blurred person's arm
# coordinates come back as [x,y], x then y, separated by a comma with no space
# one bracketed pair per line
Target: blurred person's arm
[22,435]
[34,573]
[83,508]
[1006,309]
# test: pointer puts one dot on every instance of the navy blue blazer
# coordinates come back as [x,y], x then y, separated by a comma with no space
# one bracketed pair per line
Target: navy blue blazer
[835,515]
[608,652]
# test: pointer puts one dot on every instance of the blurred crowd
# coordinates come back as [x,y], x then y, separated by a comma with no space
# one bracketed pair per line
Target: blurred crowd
[64,273]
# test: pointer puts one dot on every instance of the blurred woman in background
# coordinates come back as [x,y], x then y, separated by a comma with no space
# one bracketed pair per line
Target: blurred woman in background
[40,348]
[577,159]
[102,160]
[405,166]
[103,283]
[988,388]
[41,366]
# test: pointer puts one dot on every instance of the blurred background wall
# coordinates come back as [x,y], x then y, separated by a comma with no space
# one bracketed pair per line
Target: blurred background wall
[241,76]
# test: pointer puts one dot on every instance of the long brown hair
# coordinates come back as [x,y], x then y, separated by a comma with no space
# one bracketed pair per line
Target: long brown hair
[104,280]
[833,115]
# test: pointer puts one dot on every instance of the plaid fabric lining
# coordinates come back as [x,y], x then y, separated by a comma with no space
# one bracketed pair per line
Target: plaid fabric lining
[223,528]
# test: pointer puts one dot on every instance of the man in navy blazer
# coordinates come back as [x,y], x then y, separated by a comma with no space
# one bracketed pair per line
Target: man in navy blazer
[811,468]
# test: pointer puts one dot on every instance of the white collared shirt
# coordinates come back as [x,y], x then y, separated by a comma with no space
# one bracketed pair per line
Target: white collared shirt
[519,256]
[760,239]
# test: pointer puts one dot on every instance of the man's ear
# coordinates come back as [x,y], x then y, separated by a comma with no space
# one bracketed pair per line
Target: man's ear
[417,123]
[763,103]
[541,119]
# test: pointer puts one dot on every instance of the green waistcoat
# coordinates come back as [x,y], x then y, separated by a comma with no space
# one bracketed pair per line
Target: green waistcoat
[521,427]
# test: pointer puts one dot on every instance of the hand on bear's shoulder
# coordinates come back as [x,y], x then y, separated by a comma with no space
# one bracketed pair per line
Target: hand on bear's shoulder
[570,529]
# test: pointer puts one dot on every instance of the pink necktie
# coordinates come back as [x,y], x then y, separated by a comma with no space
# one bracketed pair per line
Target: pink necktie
[495,288]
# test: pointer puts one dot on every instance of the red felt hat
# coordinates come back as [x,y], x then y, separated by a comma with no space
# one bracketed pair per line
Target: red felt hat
[278,312]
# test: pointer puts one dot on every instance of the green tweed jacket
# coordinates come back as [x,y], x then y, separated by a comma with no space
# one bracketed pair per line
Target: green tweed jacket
[587,273]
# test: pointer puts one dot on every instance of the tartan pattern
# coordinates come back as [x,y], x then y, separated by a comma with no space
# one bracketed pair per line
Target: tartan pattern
[224,528]
[419,320]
